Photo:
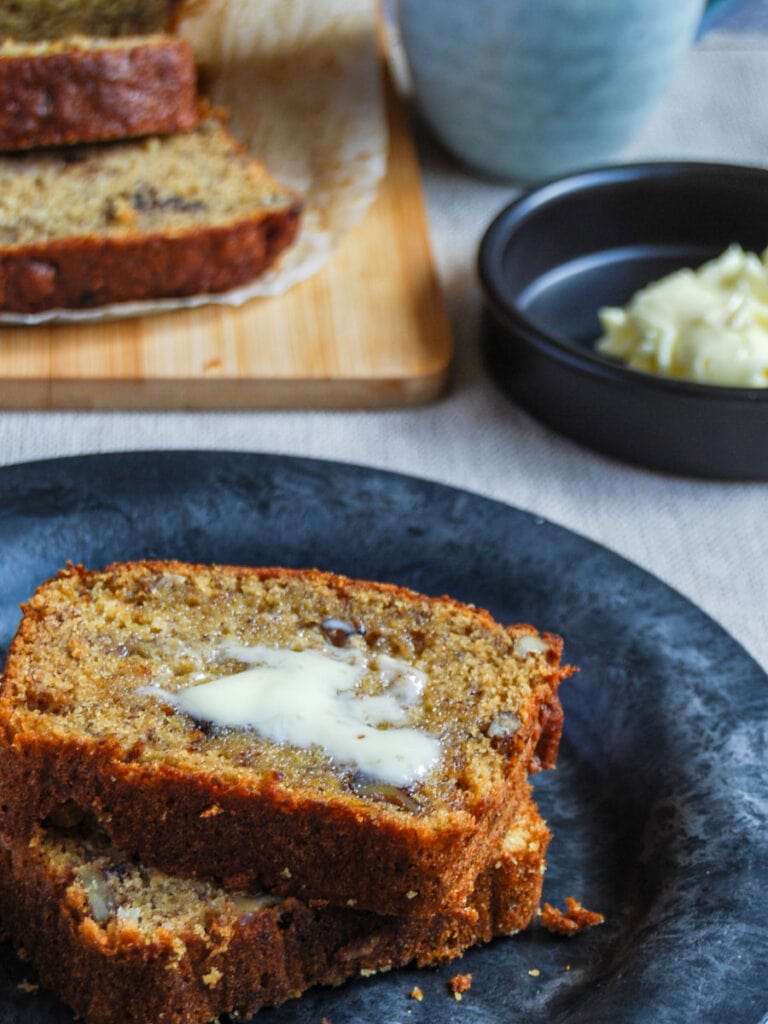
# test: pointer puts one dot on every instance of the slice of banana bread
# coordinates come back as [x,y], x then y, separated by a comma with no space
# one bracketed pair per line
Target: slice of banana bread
[84,89]
[122,943]
[188,213]
[54,19]
[295,730]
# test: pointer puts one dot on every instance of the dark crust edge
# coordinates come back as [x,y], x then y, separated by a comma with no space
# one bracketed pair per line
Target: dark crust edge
[82,96]
[404,867]
[273,956]
[92,271]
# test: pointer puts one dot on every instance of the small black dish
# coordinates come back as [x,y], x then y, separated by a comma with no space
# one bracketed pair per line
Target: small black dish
[557,254]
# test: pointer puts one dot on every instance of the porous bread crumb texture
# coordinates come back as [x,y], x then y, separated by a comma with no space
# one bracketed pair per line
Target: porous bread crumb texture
[77,713]
[171,184]
[54,19]
[102,928]
[121,632]
[181,214]
[83,90]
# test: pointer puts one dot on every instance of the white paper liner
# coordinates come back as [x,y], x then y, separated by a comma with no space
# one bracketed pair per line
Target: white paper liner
[302,82]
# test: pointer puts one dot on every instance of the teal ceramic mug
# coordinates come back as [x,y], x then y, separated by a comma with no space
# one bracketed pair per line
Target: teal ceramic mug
[530,89]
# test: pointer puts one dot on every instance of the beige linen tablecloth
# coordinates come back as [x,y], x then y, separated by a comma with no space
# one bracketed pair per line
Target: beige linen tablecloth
[708,540]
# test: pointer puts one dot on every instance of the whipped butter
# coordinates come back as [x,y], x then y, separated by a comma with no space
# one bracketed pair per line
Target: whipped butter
[310,698]
[708,325]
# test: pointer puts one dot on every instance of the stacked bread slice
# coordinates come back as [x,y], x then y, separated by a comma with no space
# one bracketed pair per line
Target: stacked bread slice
[116,182]
[227,785]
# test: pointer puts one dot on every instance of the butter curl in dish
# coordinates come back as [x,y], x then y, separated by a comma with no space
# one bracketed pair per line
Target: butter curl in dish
[708,325]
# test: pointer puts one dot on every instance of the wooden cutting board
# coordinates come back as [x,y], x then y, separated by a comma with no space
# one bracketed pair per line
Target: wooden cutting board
[370,329]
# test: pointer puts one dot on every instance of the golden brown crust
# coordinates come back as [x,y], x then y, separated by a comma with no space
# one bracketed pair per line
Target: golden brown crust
[75,93]
[250,826]
[88,271]
[109,973]
[161,216]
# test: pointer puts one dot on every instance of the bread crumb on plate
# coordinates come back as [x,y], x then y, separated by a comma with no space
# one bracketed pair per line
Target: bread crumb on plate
[459,984]
[574,919]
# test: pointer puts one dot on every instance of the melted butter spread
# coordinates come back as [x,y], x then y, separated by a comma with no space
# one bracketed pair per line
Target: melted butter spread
[311,698]
[708,325]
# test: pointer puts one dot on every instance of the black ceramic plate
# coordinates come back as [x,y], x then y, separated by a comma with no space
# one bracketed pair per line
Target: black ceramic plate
[660,802]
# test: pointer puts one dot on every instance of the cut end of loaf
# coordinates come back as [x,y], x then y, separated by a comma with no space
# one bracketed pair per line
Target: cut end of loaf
[168,216]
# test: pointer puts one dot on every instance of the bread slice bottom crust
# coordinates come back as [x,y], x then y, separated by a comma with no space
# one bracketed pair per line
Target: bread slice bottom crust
[190,213]
[125,944]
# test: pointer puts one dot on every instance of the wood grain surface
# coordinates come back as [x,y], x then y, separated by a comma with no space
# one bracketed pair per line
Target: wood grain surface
[368,330]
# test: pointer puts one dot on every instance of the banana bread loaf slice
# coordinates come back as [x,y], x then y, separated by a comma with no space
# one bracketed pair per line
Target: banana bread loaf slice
[85,89]
[294,730]
[55,19]
[123,943]
[171,215]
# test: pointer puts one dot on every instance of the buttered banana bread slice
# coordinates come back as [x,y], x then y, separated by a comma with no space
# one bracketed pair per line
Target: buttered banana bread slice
[55,19]
[123,943]
[84,89]
[172,215]
[302,732]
